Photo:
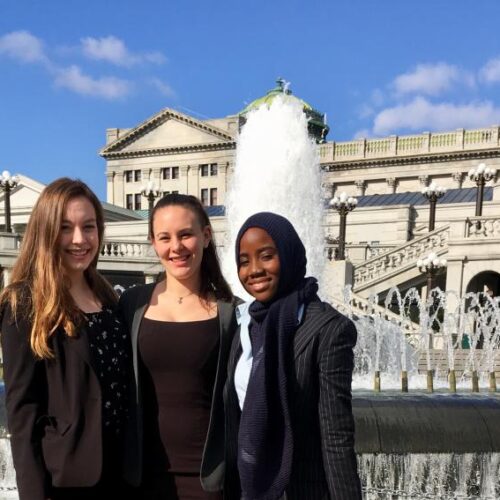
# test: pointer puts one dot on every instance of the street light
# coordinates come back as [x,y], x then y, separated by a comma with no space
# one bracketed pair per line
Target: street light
[343,204]
[431,266]
[433,192]
[7,184]
[481,175]
[151,192]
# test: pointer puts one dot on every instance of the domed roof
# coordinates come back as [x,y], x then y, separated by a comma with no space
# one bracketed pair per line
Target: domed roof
[282,87]
[317,126]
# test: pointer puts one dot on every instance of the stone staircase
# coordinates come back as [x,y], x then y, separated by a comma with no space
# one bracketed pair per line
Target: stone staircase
[355,306]
[398,265]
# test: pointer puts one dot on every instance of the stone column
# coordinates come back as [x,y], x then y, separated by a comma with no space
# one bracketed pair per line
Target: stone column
[458,177]
[119,189]
[194,180]
[391,184]
[360,187]
[184,178]
[222,182]
[110,187]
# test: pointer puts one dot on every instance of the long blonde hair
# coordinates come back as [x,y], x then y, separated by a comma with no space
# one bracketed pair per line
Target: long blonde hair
[39,288]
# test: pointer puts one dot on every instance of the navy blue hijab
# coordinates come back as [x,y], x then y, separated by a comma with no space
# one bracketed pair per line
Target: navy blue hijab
[265,440]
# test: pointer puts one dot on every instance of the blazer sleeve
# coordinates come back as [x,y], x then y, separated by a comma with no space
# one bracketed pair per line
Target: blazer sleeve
[25,390]
[336,361]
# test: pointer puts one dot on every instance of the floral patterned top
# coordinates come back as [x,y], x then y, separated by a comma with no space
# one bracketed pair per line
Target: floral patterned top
[111,359]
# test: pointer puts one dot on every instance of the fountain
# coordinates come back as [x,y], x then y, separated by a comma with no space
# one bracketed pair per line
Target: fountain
[409,444]
[442,445]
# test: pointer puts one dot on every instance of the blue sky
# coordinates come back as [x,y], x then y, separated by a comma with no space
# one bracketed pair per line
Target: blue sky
[70,69]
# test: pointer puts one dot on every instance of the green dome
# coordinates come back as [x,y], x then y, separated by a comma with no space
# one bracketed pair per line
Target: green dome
[317,126]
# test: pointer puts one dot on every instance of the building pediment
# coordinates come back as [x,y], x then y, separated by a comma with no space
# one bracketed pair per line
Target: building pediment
[168,131]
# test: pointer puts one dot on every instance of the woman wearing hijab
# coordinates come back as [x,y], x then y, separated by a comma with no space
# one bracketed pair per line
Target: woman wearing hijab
[290,429]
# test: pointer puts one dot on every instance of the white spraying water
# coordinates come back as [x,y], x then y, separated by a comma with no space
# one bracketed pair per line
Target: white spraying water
[277,170]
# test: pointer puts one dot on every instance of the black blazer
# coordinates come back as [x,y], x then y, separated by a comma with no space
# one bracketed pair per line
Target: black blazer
[133,304]
[320,369]
[53,410]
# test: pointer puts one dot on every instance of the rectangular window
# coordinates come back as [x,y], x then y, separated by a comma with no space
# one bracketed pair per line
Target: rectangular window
[204,197]
[128,175]
[165,193]
[204,170]
[213,196]
[175,192]
[165,173]
[213,169]
[175,172]
[138,197]
[137,175]
[130,202]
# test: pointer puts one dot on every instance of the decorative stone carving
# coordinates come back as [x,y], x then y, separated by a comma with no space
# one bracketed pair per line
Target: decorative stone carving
[424,180]
[361,187]
[458,177]
[405,256]
[392,183]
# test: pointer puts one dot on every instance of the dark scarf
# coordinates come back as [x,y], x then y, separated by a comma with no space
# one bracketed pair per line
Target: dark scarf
[265,440]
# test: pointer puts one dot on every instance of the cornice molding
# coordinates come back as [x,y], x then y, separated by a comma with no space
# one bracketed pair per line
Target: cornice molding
[395,161]
[192,148]
[110,150]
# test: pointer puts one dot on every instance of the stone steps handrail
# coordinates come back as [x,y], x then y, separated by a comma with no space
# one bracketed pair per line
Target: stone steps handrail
[400,258]
[480,227]
[127,249]
[358,305]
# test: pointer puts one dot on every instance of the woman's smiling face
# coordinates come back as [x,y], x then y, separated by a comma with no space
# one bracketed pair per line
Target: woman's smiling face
[179,241]
[259,264]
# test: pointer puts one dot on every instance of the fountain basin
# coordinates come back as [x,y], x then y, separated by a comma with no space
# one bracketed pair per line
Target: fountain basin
[400,423]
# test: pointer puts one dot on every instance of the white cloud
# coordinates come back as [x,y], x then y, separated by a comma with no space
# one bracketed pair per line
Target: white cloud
[430,79]
[163,88]
[420,114]
[362,134]
[490,72]
[22,46]
[113,50]
[73,79]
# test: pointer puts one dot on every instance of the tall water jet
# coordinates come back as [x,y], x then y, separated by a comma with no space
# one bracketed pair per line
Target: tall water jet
[277,170]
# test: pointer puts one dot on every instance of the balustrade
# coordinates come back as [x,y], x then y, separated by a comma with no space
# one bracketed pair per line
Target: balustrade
[405,256]
[403,145]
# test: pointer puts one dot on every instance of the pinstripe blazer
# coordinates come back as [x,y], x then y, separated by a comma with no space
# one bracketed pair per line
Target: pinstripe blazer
[319,373]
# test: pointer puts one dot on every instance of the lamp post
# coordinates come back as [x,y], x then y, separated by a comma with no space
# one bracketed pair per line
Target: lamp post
[151,192]
[7,184]
[343,204]
[433,192]
[481,175]
[431,266]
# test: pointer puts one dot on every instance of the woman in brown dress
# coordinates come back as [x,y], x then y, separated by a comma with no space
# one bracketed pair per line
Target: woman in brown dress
[181,330]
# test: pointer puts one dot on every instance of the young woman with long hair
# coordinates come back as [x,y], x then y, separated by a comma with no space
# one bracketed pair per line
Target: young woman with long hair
[290,429]
[181,330]
[66,354]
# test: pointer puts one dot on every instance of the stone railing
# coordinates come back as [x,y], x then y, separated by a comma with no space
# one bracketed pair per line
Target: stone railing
[482,227]
[357,252]
[400,258]
[127,249]
[354,305]
[424,143]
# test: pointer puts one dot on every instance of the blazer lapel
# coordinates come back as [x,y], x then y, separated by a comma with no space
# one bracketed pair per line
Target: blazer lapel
[315,317]
[226,317]
[140,308]
[80,343]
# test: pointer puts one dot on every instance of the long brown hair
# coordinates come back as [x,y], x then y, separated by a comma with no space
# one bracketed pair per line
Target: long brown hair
[39,288]
[212,280]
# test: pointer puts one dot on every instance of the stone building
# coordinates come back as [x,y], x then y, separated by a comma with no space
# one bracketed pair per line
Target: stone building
[388,231]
